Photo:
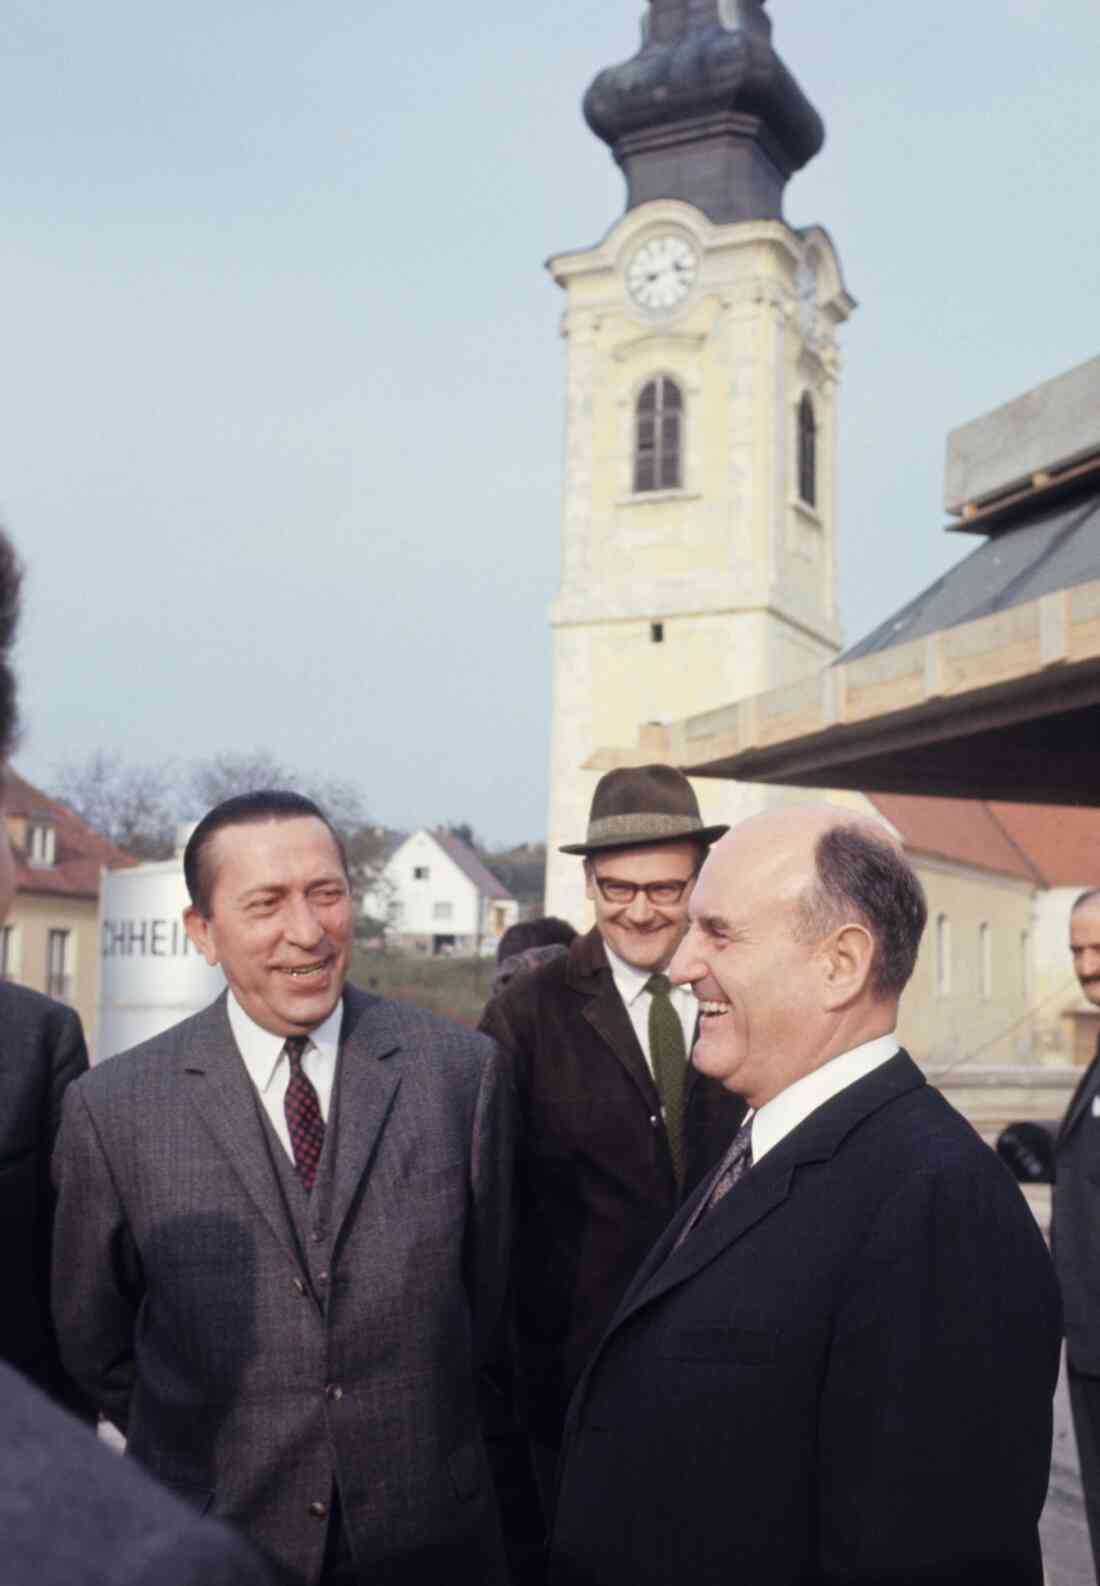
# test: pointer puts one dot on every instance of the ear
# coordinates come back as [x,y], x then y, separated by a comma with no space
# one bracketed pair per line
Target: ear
[199,929]
[847,956]
[589,884]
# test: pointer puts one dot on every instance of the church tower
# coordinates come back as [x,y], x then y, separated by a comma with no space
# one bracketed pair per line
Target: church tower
[698,545]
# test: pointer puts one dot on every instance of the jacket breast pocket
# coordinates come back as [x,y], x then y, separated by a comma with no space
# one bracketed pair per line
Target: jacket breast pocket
[718,1342]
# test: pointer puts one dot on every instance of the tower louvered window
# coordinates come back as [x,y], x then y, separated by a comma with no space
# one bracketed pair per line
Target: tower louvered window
[658,435]
[807,451]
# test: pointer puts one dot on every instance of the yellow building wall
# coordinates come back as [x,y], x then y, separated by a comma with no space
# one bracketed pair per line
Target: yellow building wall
[971,1018]
[33,916]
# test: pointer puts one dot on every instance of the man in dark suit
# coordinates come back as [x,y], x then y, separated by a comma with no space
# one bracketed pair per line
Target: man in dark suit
[1075,1225]
[71,1512]
[41,1051]
[614,1125]
[282,1226]
[837,1364]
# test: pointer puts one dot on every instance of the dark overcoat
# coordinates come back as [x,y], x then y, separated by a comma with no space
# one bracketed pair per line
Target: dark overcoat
[1075,1221]
[844,1374]
[253,1362]
[41,1051]
[594,1178]
[73,1514]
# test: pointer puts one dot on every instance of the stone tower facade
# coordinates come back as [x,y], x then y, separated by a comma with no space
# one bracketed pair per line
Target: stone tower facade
[698,544]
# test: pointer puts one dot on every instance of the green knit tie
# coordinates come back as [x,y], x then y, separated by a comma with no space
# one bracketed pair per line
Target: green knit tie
[668,1054]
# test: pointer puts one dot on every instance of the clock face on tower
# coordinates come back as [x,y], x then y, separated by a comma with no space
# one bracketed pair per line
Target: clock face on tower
[661,271]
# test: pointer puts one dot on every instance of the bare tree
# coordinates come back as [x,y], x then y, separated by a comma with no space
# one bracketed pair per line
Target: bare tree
[226,776]
[134,806]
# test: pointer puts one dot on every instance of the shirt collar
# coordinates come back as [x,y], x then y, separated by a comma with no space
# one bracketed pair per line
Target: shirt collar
[261,1049]
[630,981]
[778,1117]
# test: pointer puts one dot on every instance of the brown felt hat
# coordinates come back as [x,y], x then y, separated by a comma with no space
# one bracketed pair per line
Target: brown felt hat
[641,805]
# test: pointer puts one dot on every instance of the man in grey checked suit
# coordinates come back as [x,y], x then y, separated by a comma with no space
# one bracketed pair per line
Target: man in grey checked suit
[282,1231]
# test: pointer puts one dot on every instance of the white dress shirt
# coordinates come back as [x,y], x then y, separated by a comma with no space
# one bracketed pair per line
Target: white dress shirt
[630,984]
[776,1118]
[269,1069]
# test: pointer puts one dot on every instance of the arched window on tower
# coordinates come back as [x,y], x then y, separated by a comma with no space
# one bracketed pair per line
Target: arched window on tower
[807,451]
[658,435]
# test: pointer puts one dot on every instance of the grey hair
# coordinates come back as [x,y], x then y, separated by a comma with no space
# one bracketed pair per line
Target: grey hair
[864,879]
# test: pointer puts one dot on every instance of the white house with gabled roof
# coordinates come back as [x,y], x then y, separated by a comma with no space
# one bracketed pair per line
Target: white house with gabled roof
[436,896]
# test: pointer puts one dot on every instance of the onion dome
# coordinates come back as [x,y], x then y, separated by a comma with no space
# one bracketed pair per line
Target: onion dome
[706,111]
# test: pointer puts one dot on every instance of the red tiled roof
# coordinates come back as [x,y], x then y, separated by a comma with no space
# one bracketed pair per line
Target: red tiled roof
[1048,845]
[1063,843]
[80,850]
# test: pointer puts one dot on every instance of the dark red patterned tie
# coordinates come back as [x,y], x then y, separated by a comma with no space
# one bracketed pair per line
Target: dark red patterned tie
[303,1114]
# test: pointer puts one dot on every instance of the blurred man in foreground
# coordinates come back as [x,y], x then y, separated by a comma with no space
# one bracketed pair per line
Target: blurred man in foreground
[71,1512]
[837,1365]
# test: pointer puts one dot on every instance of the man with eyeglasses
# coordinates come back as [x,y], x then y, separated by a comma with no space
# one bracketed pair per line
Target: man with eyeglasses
[615,1126]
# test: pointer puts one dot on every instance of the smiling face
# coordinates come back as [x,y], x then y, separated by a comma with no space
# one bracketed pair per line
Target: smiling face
[643,933]
[281,921]
[761,1023]
[1084,945]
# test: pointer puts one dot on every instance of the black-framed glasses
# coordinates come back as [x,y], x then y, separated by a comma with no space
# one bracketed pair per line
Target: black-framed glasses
[612,890]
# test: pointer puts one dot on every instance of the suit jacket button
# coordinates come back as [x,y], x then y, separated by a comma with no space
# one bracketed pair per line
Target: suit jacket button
[318,1235]
[322,1278]
[654,1120]
[298,1286]
[317,1509]
[334,1392]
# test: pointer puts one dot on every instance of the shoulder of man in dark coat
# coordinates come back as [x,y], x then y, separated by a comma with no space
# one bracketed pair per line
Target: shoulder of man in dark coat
[571,971]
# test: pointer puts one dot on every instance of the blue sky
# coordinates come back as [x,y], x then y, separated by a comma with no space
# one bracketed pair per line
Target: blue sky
[280,428]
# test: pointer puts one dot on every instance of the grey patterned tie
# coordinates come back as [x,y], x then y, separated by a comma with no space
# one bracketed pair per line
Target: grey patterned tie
[733,1166]
[668,1054]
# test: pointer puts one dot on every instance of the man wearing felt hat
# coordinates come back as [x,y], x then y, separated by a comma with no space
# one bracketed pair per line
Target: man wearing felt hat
[615,1125]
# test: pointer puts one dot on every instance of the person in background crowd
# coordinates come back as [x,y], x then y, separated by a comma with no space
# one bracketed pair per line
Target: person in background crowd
[528,944]
[1075,1224]
[283,1227]
[72,1513]
[838,1363]
[614,1127]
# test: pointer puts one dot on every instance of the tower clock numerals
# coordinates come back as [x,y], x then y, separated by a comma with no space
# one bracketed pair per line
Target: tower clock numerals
[661,272]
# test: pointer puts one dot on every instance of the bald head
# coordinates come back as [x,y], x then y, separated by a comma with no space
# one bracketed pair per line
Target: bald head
[804,928]
[834,866]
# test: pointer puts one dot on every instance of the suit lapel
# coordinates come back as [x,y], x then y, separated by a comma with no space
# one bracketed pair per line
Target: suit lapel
[590,974]
[369,1078]
[816,1139]
[225,1099]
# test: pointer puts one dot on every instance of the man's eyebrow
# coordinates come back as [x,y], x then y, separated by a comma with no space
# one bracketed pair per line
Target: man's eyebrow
[717,924]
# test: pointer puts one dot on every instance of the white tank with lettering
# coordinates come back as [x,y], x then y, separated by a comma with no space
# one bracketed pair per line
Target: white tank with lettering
[150,976]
